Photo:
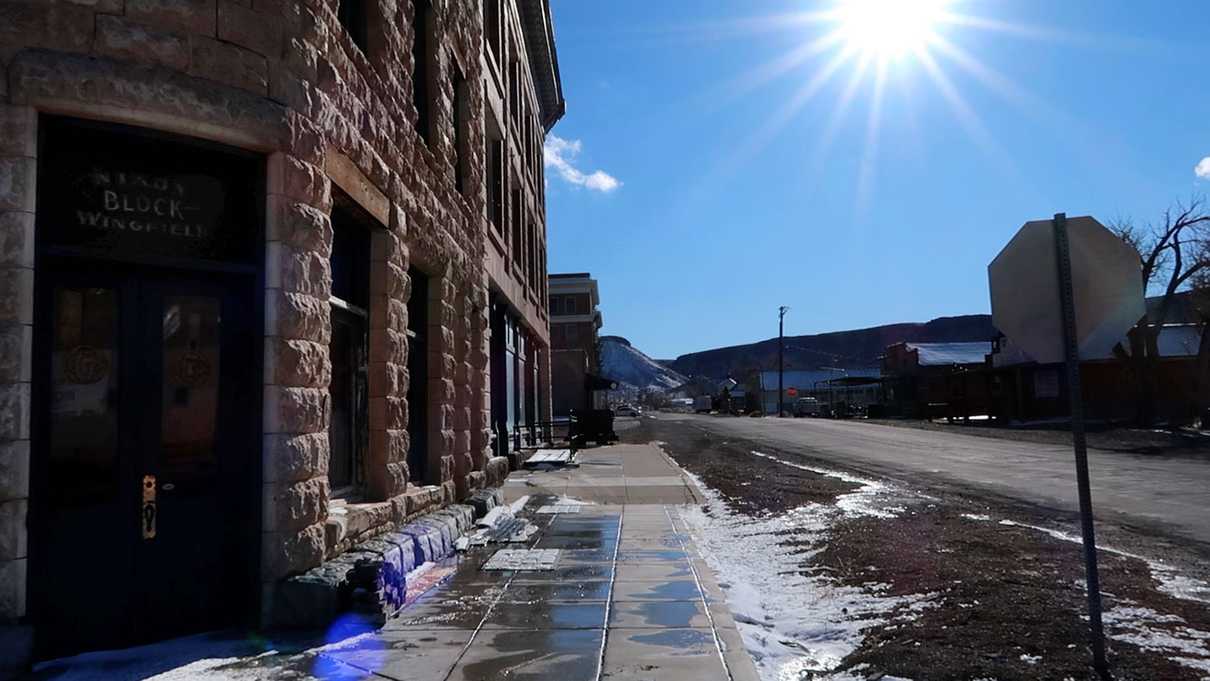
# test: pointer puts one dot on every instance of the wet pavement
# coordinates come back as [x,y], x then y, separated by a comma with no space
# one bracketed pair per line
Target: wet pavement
[629,598]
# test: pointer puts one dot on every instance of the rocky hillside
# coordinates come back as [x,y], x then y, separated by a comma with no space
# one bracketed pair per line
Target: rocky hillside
[857,348]
[622,362]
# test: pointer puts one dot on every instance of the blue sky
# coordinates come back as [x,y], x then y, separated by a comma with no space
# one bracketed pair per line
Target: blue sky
[684,181]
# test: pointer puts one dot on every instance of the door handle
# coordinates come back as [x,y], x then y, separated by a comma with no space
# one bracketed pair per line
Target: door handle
[148,511]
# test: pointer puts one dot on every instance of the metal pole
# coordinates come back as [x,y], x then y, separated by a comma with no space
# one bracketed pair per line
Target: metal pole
[1071,353]
[781,395]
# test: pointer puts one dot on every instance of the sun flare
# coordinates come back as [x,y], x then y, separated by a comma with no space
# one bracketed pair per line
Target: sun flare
[888,29]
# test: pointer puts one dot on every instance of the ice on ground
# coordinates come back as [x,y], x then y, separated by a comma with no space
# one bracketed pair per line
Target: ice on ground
[517,505]
[976,516]
[796,623]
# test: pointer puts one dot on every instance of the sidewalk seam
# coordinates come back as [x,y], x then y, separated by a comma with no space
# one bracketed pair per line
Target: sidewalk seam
[718,643]
[613,578]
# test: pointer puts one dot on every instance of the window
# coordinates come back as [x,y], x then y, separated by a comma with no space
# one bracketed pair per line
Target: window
[495,179]
[517,247]
[352,16]
[514,88]
[461,125]
[554,304]
[422,25]
[491,26]
[418,376]
[533,256]
[348,432]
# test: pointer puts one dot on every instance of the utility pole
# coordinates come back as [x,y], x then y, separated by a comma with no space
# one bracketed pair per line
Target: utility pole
[781,352]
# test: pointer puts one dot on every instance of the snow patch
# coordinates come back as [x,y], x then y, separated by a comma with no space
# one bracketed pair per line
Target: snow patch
[862,502]
[976,516]
[1171,582]
[626,364]
[796,623]
[179,658]
[1162,633]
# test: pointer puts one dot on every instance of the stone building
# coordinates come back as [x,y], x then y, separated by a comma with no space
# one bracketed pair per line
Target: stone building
[575,351]
[272,279]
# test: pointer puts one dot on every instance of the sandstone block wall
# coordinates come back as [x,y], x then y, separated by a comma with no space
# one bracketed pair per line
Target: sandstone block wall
[285,79]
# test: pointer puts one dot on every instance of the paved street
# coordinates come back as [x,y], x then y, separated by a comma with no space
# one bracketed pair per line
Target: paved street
[1172,491]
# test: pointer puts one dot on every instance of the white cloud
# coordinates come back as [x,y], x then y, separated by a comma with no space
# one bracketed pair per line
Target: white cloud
[560,154]
[1202,169]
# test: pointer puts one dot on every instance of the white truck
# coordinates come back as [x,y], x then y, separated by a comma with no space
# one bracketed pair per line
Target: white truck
[703,404]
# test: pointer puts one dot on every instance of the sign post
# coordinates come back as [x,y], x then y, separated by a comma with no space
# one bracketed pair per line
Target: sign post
[1071,358]
[1080,307]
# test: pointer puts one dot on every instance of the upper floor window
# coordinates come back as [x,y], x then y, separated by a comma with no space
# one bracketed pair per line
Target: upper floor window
[514,89]
[494,158]
[352,16]
[491,26]
[461,129]
[517,248]
[422,71]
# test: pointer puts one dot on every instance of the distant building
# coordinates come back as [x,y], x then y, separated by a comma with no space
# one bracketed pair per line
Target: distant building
[928,380]
[828,385]
[1020,389]
[575,323]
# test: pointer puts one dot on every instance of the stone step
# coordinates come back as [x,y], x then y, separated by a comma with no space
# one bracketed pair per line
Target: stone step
[371,577]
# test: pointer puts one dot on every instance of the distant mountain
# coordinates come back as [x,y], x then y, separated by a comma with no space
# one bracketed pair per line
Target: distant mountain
[624,363]
[849,349]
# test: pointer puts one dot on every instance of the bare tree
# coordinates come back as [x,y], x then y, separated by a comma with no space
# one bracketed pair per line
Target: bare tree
[1174,254]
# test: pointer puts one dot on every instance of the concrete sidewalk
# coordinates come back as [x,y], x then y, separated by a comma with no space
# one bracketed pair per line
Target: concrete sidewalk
[628,599]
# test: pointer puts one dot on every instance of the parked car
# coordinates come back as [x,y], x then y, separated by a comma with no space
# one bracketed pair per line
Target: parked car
[628,410]
[807,406]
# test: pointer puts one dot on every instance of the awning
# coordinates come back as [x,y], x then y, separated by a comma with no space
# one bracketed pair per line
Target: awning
[594,382]
[853,380]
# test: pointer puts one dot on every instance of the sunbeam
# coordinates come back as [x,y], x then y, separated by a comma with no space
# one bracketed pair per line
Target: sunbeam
[865,176]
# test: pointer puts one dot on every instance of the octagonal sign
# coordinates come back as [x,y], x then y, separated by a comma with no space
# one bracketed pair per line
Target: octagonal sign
[1107,287]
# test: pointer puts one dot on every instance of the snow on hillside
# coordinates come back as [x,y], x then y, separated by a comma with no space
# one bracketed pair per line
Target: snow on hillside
[622,362]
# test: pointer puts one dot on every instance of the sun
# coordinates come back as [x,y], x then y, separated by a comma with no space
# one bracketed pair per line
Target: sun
[888,29]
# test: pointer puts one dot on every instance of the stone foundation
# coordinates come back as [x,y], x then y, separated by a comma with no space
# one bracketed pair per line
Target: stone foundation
[369,579]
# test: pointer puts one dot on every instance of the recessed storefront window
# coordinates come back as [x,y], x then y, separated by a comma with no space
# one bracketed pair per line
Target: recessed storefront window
[348,432]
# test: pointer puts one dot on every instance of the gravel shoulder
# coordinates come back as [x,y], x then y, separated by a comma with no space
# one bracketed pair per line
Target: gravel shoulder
[1001,582]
